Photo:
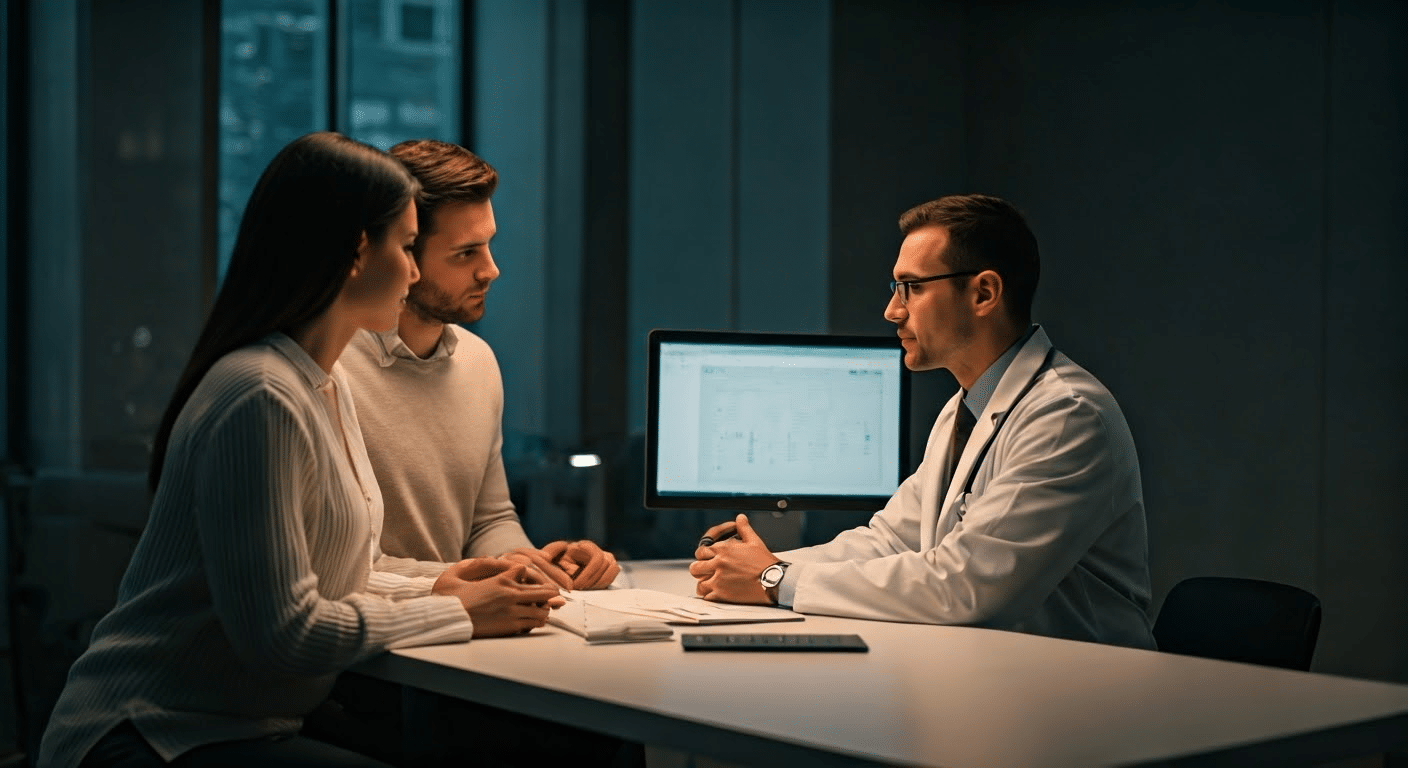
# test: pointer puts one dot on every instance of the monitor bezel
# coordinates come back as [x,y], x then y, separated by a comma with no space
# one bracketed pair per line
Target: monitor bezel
[751,502]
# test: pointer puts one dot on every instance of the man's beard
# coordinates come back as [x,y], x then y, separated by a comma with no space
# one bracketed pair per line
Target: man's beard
[433,304]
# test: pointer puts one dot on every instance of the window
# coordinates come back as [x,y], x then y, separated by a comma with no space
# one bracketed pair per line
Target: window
[402,71]
[273,89]
[390,74]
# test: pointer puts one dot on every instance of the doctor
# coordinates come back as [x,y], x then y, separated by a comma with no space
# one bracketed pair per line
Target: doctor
[1027,513]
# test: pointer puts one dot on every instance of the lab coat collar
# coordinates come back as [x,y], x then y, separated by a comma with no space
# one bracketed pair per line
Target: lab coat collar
[1015,382]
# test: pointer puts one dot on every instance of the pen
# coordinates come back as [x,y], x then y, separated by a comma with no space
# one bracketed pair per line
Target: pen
[706,541]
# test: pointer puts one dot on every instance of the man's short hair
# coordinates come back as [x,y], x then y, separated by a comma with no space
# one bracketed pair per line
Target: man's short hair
[448,173]
[985,232]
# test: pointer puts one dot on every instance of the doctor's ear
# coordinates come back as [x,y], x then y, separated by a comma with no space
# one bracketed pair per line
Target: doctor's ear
[989,287]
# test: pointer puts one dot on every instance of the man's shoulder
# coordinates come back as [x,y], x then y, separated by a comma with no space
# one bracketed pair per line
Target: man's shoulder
[1066,376]
[363,348]
[471,346]
[1069,392]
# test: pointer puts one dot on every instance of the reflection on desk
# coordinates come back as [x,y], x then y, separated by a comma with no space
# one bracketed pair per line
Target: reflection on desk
[924,695]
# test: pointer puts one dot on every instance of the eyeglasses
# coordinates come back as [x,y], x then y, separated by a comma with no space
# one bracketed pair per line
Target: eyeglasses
[901,287]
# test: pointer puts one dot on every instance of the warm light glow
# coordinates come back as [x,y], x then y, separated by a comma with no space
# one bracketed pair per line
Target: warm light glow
[584,460]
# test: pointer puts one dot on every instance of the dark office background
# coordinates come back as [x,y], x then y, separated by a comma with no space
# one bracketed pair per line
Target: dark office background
[1219,190]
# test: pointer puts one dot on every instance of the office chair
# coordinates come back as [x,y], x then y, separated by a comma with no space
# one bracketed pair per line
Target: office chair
[1259,622]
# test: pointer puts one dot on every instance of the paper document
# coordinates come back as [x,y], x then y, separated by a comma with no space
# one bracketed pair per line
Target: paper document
[603,625]
[677,609]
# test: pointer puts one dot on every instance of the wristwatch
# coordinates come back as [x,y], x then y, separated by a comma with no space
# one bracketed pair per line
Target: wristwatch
[771,577]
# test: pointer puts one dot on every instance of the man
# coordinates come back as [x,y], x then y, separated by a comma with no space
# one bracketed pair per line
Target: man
[430,397]
[1033,522]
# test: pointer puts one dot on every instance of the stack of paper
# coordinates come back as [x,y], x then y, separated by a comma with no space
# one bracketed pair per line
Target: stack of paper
[628,615]
[679,609]
[603,625]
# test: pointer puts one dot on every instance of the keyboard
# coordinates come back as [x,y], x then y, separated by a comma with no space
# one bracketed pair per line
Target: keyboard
[773,642]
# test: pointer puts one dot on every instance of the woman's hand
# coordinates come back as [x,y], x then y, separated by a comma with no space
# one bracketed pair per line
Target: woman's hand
[500,596]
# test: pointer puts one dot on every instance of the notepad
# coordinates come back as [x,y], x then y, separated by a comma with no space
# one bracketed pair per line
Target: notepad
[678,609]
[603,625]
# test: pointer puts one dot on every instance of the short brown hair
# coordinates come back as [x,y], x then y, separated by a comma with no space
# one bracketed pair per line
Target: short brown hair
[448,173]
[985,232]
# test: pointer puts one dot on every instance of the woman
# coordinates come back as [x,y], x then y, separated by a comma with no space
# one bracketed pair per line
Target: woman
[253,584]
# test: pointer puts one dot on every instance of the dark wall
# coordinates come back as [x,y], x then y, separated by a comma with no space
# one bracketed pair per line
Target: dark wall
[1218,195]
[1362,553]
[897,128]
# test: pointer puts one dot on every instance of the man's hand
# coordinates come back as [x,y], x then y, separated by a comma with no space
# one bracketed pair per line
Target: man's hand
[571,564]
[591,566]
[501,597]
[541,563]
[728,570]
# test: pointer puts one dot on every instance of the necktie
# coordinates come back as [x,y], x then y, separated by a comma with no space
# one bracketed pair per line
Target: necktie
[963,422]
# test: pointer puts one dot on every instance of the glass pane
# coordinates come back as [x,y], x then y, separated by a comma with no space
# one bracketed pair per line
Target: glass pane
[402,70]
[273,89]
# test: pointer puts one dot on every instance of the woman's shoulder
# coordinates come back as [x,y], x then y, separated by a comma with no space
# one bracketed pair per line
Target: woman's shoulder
[254,365]
[257,372]
[250,390]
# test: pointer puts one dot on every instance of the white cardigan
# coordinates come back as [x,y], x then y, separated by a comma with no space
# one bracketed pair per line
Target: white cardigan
[253,583]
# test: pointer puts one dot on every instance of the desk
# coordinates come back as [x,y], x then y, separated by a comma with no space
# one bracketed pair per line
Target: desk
[923,695]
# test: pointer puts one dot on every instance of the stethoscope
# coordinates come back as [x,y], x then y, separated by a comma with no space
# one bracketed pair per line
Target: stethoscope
[983,454]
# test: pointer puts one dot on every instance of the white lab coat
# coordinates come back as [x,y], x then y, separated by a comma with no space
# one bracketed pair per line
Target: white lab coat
[1051,539]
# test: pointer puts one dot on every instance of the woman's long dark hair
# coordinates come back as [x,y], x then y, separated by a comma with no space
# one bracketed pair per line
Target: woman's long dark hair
[296,246]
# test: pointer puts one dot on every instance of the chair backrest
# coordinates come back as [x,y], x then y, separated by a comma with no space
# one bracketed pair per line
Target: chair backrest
[1259,622]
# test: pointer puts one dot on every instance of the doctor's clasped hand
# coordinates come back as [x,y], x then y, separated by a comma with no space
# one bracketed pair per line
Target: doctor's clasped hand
[728,570]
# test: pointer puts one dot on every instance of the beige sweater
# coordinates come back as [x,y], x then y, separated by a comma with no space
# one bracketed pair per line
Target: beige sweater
[433,430]
[253,584]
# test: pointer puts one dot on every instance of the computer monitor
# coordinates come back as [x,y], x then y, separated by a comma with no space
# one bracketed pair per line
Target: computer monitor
[772,421]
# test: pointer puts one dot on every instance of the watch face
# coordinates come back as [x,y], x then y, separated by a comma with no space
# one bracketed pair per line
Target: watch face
[771,575]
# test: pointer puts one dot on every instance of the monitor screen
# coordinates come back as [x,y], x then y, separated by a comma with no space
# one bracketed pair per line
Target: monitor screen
[774,421]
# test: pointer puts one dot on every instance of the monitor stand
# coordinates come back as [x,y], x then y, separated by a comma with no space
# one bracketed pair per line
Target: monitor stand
[781,530]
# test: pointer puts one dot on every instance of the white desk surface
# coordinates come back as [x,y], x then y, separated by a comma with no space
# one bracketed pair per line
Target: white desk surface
[923,695]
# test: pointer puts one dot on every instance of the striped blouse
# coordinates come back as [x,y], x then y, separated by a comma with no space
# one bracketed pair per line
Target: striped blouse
[254,582]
